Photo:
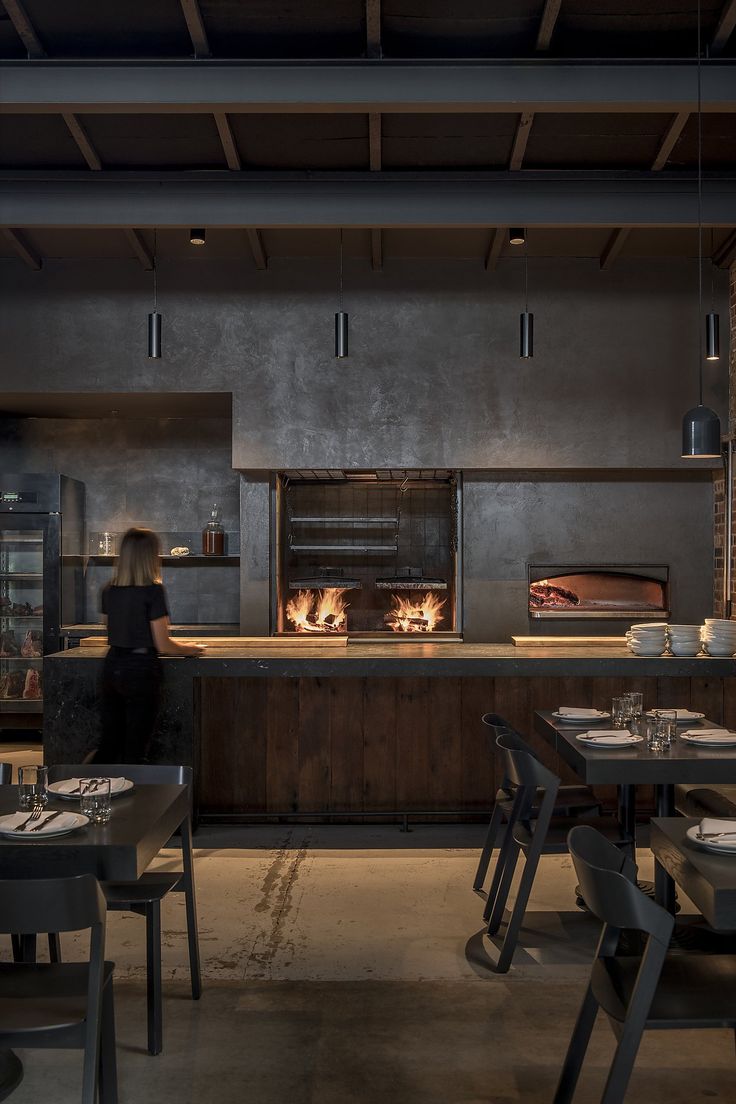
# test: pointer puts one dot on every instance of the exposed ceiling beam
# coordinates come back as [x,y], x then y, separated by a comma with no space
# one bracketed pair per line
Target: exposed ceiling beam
[22,247]
[229,146]
[24,28]
[725,27]
[725,255]
[674,130]
[139,247]
[523,130]
[360,86]
[547,24]
[80,136]
[614,245]
[495,245]
[255,240]
[362,199]
[196,28]
[376,249]
[374,142]
[373,29]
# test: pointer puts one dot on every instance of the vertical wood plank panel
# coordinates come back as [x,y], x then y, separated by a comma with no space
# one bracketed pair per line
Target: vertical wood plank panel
[707,696]
[346,697]
[478,776]
[282,746]
[314,744]
[412,760]
[379,759]
[729,702]
[233,756]
[445,746]
[673,693]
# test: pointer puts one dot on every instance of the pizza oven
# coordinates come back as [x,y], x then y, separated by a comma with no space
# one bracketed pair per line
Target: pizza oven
[573,592]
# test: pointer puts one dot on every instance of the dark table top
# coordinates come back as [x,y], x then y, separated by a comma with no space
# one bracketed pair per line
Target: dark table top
[708,879]
[141,824]
[637,765]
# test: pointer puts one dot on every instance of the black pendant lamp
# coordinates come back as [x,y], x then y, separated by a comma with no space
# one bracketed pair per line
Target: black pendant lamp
[701,426]
[154,318]
[526,319]
[341,321]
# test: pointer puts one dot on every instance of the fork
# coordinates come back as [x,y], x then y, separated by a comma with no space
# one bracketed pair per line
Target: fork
[35,815]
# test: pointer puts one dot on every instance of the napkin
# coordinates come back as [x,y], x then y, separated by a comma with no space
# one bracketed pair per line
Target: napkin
[70,785]
[573,711]
[58,824]
[682,714]
[712,735]
[711,825]
[613,737]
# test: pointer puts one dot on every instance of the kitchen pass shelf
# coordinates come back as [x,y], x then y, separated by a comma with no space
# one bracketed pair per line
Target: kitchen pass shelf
[167,561]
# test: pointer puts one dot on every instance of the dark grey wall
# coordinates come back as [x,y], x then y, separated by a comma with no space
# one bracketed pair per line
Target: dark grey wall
[433,377]
[511,522]
[160,473]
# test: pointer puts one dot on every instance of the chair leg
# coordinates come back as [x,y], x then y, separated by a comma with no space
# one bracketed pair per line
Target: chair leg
[28,947]
[108,1075]
[54,947]
[190,899]
[490,841]
[15,944]
[506,875]
[576,1050]
[511,935]
[153,977]
[622,1065]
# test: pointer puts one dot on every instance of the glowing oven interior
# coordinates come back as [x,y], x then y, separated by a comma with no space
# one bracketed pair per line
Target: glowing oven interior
[367,555]
[586,592]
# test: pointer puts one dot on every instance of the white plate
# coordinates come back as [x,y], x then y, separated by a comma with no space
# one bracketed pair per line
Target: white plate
[53,788]
[592,741]
[72,821]
[680,720]
[689,653]
[579,722]
[721,847]
[691,739]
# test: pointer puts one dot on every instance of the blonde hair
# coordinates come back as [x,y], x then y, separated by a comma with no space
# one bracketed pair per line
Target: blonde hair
[139,562]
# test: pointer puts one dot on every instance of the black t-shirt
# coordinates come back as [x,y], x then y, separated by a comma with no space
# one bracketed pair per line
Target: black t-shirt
[130,611]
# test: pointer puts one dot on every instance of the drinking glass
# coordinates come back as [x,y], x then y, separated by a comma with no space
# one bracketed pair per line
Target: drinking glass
[666,722]
[620,712]
[637,702]
[653,734]
[94,799]
[32,787]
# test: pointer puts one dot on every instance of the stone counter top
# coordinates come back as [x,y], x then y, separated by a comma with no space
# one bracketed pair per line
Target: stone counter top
[419,659]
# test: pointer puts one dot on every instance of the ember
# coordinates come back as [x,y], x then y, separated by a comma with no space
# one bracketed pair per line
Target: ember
[320,611]
[415,615]
[550,596]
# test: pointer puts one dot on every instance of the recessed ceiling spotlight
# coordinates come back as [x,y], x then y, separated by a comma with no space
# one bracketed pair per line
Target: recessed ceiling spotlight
[197,237]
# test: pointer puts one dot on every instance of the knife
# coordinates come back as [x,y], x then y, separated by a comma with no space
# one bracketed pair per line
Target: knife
[42,823]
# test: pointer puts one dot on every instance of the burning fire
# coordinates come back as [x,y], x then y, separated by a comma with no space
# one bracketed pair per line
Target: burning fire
[321,611]
[415,615]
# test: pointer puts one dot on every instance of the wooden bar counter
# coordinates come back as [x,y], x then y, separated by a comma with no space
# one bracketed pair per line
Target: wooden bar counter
[371,727]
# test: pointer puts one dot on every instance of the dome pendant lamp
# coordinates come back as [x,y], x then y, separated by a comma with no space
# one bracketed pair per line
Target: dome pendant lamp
[701,427]
[154,318]
[341,321]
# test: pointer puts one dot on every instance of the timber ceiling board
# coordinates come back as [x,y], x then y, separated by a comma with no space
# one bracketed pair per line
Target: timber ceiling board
[41,142]
[283,28]
[633,28]
[10,44]
[317,243]
[473,141]
[110,28]
[301,141]
[88,404]
[465,28]
[589,141]
[719,143]
[155,141]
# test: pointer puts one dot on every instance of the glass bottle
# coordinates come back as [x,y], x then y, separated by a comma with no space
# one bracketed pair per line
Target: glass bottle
[213,535]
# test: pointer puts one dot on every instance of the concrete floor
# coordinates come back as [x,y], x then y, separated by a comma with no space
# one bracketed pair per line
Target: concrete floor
[347,964]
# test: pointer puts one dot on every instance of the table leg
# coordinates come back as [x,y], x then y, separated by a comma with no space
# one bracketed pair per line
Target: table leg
[11,1073]
[627,816]
[664,886]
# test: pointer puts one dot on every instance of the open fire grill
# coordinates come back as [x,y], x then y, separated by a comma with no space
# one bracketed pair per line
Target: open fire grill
[368,556]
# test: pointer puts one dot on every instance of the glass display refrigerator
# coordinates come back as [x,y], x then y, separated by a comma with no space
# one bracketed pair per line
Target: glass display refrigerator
[41,541]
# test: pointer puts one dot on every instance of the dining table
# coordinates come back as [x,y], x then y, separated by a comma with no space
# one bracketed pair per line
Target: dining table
[638,765]
[707,877]
[142,821]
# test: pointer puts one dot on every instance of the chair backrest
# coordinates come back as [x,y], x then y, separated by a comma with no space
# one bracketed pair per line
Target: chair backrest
[498,723]
[6,774]
[51,904]
[522,768]
[608,886]
[142,774]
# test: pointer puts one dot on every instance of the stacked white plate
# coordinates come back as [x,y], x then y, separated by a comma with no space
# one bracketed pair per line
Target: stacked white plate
[684,640]
[719,637]
[647,639]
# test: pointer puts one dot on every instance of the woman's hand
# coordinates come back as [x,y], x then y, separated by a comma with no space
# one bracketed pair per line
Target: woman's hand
[196,649]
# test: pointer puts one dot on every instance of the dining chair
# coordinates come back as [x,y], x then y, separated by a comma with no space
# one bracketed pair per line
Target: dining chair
[6,773]
[67,1005]
[144,897]
[654,989]
[572,800]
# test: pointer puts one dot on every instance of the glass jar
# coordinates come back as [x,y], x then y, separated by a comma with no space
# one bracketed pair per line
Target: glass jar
[213,535]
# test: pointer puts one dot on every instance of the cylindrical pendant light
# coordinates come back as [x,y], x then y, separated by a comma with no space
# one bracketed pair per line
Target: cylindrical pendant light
[154,318]
[701,427]
[517,235]
[712,336]
[341,320]
[526,319]
[197,236]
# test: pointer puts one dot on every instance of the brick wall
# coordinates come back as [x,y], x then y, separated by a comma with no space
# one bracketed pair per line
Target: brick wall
[719,486]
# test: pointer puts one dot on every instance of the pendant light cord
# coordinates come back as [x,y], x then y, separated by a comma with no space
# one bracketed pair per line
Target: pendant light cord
[340,294]
[155,288]
[526,275]
[700,223]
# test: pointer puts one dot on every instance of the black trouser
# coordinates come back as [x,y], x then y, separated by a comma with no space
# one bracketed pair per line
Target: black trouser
[131,684]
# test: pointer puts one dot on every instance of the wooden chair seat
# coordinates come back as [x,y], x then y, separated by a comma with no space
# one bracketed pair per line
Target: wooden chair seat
[151,886]
[44,997]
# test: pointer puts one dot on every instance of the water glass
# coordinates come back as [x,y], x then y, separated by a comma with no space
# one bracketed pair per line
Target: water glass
[620,712]
[666,723]
[637,702]
[653,734]
[32,787]
[94,799]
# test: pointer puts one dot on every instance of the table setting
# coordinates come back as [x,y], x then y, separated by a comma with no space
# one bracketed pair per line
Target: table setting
[34,820]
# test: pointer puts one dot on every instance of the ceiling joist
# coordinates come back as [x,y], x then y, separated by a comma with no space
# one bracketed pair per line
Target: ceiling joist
[24,28]
[356,87]
[666,146]
[725,255]
[229,146]
[613,246]
[195,26]
[22,248]
[139,247]
[495,245]
[373,47]
[521,137]
[547,24]
[80,136]
[725,28]
[255,240]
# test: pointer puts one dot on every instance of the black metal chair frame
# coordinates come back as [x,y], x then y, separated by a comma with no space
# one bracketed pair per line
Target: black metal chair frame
[650,990]
[144,896]
[66,904]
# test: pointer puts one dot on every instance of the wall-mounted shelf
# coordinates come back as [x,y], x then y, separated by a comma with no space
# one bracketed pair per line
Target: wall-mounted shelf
[167,561]
[344,548]
[346,520]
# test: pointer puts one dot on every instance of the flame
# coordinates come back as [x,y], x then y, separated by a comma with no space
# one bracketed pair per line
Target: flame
[320,611]
[415,615]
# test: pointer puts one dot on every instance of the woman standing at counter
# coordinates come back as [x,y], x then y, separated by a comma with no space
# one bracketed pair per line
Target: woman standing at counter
[136,612]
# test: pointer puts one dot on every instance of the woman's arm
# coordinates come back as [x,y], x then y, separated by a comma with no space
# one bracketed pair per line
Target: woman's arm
[165,645]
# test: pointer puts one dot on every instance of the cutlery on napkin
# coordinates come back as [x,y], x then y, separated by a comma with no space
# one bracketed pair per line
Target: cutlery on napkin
[573,711]
[612,736]
[711,735]
[712,828]
[42,823]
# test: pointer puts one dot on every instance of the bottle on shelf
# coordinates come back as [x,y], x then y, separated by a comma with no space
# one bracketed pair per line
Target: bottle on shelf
[213,535]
